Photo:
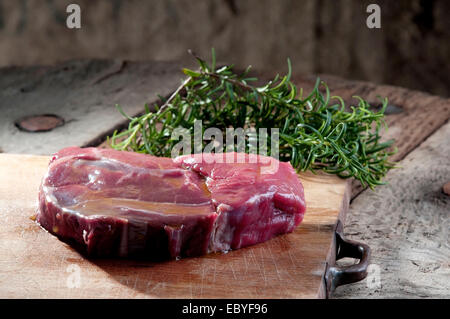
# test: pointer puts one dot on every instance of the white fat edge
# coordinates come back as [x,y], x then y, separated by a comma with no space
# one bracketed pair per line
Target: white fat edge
[188,182]
[208,181]
[221,228]
[186,159]
[291,196]
[94,177]
[257,198]
[85,236]
[97,152]
[224,208]
[101,160]
[123,248]
[49,197]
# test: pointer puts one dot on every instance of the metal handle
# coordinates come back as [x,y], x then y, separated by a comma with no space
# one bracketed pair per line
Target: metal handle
[336,275]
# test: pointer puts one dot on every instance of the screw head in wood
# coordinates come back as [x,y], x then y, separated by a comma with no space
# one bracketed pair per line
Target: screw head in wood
[446,188]
[39,123]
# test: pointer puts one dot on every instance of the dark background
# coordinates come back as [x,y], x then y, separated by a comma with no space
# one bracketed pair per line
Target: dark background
[320,36]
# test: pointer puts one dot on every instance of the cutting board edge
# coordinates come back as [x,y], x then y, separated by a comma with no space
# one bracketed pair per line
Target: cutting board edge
[331,256]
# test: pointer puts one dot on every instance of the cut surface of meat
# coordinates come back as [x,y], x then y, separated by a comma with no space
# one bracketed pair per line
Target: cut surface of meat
[253,204]
[116,203]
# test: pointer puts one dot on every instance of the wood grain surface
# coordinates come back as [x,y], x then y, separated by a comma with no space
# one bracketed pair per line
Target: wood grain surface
[407,225]
[35,264]
[84,93]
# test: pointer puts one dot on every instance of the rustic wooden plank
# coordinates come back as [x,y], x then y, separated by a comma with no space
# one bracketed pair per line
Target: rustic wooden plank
[407,226]
[34,263]
[82,92]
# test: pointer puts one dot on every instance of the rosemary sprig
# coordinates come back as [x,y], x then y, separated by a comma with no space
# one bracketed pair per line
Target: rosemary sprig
[314,132]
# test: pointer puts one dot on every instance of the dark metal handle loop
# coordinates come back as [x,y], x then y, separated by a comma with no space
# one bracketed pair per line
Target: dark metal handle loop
[337,275]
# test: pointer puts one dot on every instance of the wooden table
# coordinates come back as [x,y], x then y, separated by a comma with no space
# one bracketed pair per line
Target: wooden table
[405,222]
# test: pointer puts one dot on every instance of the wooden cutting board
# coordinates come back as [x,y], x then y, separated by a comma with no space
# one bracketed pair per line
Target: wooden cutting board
[35,264]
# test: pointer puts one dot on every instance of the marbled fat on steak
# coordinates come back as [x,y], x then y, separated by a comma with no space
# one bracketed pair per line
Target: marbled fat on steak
[114,203]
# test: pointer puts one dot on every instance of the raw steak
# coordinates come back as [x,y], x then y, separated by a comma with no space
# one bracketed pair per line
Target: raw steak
[113,203]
